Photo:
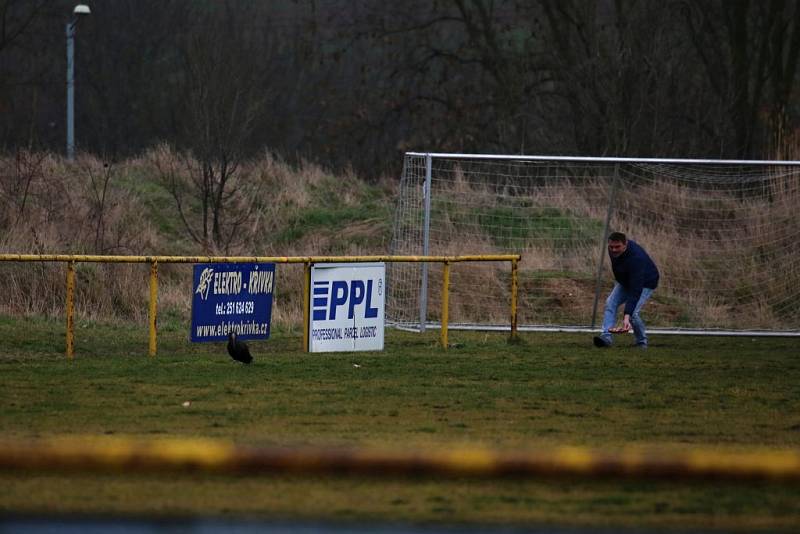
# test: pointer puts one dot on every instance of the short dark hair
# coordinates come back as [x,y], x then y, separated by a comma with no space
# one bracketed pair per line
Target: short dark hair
[617,236]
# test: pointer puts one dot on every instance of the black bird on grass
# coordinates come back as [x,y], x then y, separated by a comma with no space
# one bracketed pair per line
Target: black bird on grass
[238,349]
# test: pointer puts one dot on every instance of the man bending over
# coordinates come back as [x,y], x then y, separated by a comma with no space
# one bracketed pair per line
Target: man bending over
[636,278]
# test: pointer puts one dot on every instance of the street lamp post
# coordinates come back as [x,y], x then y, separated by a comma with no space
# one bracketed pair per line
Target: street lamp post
[80,9]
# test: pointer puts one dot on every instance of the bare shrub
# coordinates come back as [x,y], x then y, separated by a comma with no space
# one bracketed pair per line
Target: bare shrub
[215,197]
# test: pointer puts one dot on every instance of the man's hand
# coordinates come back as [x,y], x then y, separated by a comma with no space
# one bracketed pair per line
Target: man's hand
[626,326]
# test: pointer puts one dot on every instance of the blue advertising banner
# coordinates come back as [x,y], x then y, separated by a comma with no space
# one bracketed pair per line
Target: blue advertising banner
[230,297]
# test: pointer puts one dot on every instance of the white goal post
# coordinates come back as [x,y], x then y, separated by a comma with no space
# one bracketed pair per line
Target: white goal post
[725,235]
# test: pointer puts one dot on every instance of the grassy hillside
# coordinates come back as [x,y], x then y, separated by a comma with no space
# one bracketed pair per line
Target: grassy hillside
[128,208]
[725,255]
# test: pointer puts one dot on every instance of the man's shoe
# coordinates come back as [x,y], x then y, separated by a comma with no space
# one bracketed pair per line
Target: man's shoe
[600,343]
[641,346]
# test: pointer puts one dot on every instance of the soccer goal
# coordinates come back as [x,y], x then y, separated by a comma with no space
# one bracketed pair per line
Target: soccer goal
[725,235]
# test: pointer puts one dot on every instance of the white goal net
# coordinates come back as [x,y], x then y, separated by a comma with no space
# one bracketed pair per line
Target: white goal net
[724,234]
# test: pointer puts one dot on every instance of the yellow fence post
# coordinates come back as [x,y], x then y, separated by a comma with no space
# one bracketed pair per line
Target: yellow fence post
[153,306]
[70,306]
[445,301]
[306,303]
[514,299]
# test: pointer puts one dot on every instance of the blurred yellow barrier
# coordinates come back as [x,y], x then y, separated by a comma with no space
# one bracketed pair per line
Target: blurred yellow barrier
[123,455]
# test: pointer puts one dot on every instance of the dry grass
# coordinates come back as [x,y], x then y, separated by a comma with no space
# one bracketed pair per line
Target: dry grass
[49,206]
[731,266]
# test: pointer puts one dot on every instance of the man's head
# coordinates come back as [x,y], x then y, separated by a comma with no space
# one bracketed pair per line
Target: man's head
[617,244]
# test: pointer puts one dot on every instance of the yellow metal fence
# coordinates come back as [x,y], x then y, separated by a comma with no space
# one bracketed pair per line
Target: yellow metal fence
[307,261]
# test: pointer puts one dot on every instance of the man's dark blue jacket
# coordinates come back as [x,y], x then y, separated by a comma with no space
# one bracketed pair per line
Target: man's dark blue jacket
[634,270]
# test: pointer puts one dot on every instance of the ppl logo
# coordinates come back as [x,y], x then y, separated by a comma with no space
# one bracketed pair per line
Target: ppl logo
[330,296]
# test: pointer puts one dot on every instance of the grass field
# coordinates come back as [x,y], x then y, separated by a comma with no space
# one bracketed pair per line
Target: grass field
[727,394]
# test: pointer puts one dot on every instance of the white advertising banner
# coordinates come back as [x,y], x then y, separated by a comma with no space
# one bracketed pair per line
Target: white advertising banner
[347,307]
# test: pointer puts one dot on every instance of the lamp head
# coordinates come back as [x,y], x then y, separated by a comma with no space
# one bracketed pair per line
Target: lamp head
[81,9]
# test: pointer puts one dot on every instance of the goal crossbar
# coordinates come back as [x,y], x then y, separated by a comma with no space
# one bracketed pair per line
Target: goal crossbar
[599,159]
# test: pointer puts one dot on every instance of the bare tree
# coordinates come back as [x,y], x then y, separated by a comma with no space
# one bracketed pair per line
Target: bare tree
[26,66]
[357,81]
[126,73]
[222,97]
[621,76]
[453,74]
[18,177]
[749,51]
[99,198]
